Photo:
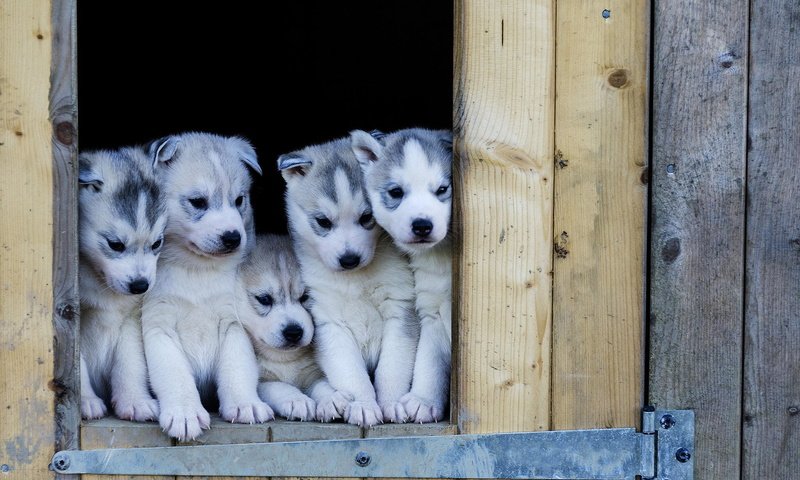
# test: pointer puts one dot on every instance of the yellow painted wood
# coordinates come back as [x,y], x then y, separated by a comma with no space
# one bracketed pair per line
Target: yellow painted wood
[503,124]
[26,236]
[600,213]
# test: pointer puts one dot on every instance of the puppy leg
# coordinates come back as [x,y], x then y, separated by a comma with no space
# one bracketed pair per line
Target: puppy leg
[92,406]
[130,395]
[396,364]
[426,402]
[343,364]
[237,379]
[331,403]
[287,400]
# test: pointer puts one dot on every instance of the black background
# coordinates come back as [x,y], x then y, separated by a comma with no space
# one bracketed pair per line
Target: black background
[149,69]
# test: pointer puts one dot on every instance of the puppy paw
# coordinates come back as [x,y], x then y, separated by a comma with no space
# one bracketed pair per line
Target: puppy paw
[363,414]
[184,422]
[139,409]
[394,412]
[421,410]
[300,408]
[93,407]
[333,406]
[254,411]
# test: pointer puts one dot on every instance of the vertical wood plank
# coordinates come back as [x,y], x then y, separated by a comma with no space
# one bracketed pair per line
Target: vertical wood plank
[503,124]
[699,121]
[772,323]
[600,209]
[26,240]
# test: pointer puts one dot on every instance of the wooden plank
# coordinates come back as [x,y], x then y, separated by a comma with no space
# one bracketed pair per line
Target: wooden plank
[288,431]
[26,240]
[699,112]
[772,328]
[223,432]
[111,432]
[503,124]
[600,209]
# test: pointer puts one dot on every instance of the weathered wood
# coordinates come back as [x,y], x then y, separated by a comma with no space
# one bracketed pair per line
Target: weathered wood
[502,286]
[26,241]
[699,115]
[114,433]
[600,210]
[771,421]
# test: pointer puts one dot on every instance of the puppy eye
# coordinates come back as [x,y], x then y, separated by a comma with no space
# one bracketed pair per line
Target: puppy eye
[396,192]
[442,190]
[156,245]
[265,300]
[239,200]
[366,219]
[324,222]
[199,203]
[116,245]
[304,297]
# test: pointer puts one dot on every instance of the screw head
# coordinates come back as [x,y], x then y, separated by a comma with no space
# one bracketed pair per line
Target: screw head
[683,455]
[5,468]
[606,13]
[362,459]
[61,463]
[667,421]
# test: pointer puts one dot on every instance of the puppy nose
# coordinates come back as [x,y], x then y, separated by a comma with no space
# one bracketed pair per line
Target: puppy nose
[421,227]
[140,285]
[231,239]
[293,333]
[349,260]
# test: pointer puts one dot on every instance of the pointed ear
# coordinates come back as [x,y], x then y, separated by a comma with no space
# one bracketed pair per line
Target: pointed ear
[292,164]
[446,137]
[366,147]
[163,150]
[247,153]
[88,178]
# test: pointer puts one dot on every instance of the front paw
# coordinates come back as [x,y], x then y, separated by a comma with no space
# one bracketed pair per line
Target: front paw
[394,412]
[332,407]
[254,411]
[139,409]
[421,410]
[299,407]
[184,422]
[92,407]
[363,414]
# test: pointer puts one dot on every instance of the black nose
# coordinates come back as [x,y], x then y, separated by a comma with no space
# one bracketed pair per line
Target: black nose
[293,333]
[140,285]
[349,260]
[231,239]
[421,227]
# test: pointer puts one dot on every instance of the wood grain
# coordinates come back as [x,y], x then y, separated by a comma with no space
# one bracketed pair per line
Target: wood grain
[502,287]
[771,423]
[699,122]
[600,210]
[114,433]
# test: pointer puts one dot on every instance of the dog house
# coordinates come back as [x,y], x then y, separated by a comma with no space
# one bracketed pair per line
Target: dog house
[628,234]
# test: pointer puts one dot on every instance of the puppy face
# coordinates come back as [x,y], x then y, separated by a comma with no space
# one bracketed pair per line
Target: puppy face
[327,205]
[122,218]
[409,180]
[275,307]
[207,185]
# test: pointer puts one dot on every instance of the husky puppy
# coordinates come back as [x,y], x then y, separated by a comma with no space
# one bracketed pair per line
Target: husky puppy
[122,220]
[362,286]
[274,310]
[193,339]
[409,181]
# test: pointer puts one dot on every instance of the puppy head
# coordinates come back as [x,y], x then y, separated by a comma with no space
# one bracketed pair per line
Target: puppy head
[122,218]
[409,180]
[327,205]
[207,184]
[275,312]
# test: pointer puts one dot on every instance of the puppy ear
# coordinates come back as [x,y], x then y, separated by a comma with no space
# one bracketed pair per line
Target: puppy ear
[367,148]
[446,137]
[293,164]
[247,153]
[163,150]
[88,178]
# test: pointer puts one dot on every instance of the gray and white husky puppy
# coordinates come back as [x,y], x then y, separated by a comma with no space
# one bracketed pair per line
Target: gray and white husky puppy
[273,307]
[362,286]
[409,181]
[122,220]
[193,339]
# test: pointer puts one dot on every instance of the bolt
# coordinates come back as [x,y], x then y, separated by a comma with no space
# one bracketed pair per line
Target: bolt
[5,468]
[683,455]
[667,421]
[362,459]
[606,13]
[671,169]
[61,463]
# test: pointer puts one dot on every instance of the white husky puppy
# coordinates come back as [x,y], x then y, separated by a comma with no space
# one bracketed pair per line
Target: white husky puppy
[409,176]
[122,220]
[273,308]
[193,339]
[362,286]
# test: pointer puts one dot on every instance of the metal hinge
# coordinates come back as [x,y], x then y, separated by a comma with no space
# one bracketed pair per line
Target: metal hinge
[663,451]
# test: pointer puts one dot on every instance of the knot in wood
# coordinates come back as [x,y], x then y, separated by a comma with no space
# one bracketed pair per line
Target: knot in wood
[65,133]
[618,78]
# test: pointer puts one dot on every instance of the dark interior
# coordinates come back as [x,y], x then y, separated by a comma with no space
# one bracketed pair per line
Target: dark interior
[332,67]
